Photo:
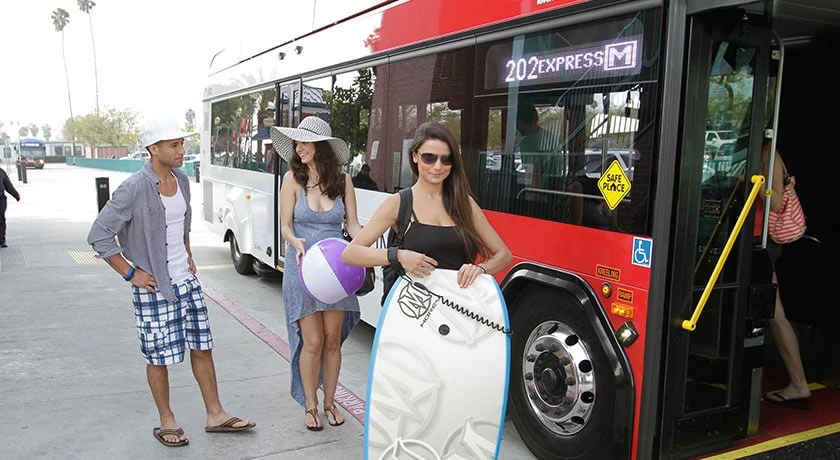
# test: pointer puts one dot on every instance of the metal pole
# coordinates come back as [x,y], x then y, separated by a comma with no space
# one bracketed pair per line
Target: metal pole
[772,152]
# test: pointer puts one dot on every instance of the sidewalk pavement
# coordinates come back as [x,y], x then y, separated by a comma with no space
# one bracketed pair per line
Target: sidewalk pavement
[72,380]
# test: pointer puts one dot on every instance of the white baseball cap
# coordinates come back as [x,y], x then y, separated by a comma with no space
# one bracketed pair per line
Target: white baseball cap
[162,129]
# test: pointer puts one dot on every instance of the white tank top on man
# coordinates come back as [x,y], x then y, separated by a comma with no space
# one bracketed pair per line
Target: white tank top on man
[177,259]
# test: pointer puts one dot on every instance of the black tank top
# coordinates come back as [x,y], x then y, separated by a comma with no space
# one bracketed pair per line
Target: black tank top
[440,243]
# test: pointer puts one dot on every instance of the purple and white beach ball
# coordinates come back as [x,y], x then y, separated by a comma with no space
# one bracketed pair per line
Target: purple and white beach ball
[324,276]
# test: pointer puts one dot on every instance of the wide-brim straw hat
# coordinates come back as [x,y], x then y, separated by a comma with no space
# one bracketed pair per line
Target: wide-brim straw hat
[310,129]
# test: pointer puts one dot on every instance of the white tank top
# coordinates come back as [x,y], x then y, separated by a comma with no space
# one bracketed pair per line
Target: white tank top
[176,259]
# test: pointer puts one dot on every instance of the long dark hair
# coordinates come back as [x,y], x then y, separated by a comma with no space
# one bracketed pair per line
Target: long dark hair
[456,188]
[329,170]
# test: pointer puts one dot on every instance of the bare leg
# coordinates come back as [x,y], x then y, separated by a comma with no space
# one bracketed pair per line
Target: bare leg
[788,346]
[312,333]
[331,359]
[205,374]
[158,378]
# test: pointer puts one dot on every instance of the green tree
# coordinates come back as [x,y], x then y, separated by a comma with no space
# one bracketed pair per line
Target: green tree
[122,127]
[60,19]
[33,128]
[730,101]
[350,112]
[226,116]
[192,144]
[89,129]
[189,126]
[23,131]
[440,112]
[68,129]
[113,127]
[85,6]
[47,130]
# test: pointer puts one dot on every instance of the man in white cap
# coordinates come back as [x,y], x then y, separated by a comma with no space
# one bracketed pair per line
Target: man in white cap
[147,222]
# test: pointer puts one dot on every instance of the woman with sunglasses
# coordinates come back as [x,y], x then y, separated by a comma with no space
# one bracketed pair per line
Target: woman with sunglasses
[447,228]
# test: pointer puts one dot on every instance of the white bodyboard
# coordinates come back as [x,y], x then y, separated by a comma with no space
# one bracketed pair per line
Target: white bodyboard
[438,379]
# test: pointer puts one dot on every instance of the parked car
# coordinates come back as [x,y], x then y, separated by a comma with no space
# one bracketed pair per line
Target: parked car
[718,138]
[594,161]
[138,155]
[726,149]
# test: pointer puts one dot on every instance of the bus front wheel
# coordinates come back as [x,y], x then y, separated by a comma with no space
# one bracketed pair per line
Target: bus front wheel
[561,393]
[243,263]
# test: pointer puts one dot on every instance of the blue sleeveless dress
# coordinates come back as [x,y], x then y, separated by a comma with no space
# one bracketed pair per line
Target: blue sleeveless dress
[314,226]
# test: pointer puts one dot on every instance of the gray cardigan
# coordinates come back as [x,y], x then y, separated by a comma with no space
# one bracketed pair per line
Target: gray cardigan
[133,222]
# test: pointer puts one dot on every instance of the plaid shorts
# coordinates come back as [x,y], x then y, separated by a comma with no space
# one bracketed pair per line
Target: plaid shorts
[166,328]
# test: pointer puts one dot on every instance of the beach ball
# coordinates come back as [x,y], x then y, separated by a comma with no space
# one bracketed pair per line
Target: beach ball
[324,276]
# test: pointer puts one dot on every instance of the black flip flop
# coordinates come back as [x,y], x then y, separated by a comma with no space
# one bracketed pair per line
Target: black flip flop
[798,403]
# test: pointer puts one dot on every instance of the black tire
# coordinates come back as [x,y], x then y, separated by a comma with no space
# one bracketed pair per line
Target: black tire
[243,263]
[569,414]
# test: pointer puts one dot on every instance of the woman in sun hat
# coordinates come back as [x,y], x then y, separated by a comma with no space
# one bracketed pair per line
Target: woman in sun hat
[315,197]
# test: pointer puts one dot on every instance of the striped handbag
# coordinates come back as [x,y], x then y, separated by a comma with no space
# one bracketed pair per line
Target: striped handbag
[787,225]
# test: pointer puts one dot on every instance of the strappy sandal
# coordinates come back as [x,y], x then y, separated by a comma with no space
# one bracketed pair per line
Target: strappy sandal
[314,413]
[331,410]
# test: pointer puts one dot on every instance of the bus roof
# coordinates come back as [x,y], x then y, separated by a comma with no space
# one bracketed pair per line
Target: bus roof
[367,27]
[31,141]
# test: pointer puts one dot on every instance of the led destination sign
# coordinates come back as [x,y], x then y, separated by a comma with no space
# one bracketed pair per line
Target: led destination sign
[597,60]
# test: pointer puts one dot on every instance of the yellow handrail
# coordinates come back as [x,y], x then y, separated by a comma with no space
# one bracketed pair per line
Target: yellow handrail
[691,324]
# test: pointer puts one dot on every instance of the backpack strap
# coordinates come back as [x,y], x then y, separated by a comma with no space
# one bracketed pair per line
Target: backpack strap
[395,238]
[404,215]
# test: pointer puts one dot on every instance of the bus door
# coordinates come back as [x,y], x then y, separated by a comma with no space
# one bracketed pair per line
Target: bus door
[713,366]
[286,114]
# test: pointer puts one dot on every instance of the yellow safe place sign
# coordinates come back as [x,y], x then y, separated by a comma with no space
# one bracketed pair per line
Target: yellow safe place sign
[614,184]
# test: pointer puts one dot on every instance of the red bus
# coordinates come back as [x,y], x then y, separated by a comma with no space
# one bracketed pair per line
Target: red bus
[640,294]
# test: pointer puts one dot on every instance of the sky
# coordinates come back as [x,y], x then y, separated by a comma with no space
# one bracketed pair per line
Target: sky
[152,56]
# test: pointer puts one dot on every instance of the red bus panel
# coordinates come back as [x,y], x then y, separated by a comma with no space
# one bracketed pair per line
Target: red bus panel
[412,22]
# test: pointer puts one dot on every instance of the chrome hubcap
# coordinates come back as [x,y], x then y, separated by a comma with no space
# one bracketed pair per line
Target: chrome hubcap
[559,378]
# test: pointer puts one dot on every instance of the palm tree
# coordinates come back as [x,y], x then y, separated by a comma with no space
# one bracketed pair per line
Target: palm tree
[85,6]
[60,19]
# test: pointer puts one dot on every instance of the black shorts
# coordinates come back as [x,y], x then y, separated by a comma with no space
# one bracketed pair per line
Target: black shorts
[774,249]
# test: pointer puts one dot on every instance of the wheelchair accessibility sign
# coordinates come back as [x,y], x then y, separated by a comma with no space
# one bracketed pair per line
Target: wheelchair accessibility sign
[642,248]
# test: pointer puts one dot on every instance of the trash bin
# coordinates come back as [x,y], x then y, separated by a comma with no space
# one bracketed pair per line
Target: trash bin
[103,193]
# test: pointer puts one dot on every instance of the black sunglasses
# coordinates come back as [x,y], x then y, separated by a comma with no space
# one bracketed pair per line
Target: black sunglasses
[431,158]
